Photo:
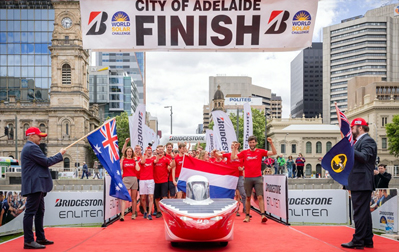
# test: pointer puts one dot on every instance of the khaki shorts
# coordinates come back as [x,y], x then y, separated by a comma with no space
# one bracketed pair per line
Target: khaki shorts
[250,183]
[131,183]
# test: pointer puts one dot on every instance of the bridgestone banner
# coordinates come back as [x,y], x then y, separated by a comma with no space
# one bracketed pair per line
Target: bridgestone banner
[384,210]
[318,206]
[198,25]
[223,131]
[248,127]
[275,196]
[136,128]
[210,140]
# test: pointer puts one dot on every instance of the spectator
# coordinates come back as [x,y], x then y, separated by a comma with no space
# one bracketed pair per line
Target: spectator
[95,167]
[275,165]
[290,166]
[300,163]
[382,177]
[281,164]
[85,170]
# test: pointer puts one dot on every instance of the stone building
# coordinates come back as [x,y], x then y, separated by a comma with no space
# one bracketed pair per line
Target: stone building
[308,136]
[67,116]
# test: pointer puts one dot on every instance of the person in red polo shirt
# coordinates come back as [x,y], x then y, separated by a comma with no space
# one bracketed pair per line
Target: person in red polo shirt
[146,169]
[129,176]
[252,160]
[176,169]
[161,173]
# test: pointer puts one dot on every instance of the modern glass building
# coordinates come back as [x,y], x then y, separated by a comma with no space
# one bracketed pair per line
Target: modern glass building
[131,63]
[25,65]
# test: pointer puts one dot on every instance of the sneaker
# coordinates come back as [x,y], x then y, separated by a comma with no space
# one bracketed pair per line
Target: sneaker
[133,216]
[159,215]
[154,214]
[149,217]
[238,214]
[145,215]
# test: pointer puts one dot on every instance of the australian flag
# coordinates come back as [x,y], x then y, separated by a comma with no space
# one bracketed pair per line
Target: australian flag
[339,160]
[104,142]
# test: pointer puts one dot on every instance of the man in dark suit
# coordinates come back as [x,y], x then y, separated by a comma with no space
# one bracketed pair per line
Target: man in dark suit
[36,182]
[361,185]
[382,177]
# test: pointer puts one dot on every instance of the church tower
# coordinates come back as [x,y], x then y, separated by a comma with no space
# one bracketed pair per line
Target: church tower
[218,100]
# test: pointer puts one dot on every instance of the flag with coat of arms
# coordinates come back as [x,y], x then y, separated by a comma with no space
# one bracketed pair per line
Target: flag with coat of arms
[340,159]
[104,142]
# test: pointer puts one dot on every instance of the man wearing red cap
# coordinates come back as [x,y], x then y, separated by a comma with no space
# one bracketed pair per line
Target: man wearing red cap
[36,183]
[361,184]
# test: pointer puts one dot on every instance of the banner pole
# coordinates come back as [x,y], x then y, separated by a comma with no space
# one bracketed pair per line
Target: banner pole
[83,137]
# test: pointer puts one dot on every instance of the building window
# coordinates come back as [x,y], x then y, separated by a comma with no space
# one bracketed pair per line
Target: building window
[67,163]
[328,146]
[384,143]
[66,40]
[318,147]
[42,128]
[293,148]
[26,127]
[66,74]
[10,132]
[308,170]
[308,147]
[282,148]
[66,130]
[384,121]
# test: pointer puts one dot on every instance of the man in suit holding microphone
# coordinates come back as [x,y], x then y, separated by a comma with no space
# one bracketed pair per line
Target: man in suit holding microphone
[36,182]
[361,184]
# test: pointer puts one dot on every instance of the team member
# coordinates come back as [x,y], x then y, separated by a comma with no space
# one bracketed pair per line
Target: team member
[161,173]
[36,183]
[168,154]
[175,173]
[146,184]
[203,155]
[382,177]
[169,150]
[129,176]
[252,160]
[361,185]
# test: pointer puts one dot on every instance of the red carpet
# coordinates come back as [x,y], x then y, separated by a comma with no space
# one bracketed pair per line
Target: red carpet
[145,235]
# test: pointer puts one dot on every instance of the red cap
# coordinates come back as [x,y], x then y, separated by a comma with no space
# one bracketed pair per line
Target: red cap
[34,131]
[359,121]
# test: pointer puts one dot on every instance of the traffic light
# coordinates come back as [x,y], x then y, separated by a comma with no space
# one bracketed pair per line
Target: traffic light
[377,160]
[6,130]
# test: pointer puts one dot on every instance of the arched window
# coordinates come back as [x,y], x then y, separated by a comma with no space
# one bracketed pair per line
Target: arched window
[318,147]
[308,147]
[328,146]
[42,128]
[26,127]
[67,163]
[66,128]
[283,148]
[308,171]
[66,74]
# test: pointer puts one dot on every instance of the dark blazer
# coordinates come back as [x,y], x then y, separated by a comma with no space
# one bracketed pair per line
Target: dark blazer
[382,180]
[35,174]
[361,177]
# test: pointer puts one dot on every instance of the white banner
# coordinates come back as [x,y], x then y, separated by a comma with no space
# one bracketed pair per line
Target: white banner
[243,100]
[223,131]
[248,127]
[136,128]
[318,206]
[113,206]
[68,208]
[384,210]
[235,25]
[150,137]
[12,207]
[275,195]
[191,138]
[210,140]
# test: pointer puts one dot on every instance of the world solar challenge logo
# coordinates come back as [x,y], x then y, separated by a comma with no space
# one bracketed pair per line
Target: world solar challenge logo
[396,10]
[301,22]
[120,23]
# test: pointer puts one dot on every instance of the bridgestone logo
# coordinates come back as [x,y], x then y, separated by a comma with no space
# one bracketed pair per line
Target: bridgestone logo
[140,132]
[246,130]
[211,142]
[273,188]
[78,202]
[222,133]
[187,138]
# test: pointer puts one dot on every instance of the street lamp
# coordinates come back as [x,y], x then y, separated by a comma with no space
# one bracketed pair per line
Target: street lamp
[171,113]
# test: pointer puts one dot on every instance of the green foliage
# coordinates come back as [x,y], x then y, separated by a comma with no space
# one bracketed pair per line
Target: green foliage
[392,130]
[258,120]
[122,128]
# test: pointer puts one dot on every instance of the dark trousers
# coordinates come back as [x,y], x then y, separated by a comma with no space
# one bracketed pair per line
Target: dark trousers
[362,217]
[34,208]
[300,171]
[85,172]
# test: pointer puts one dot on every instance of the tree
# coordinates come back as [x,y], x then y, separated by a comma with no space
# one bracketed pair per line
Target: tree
[392,130]
[258,120]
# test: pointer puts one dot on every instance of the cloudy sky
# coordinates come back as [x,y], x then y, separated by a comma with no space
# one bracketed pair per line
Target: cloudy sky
[181,79]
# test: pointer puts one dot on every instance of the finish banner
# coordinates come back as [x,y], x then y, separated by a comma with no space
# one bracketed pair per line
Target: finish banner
[198,25]
[223,131]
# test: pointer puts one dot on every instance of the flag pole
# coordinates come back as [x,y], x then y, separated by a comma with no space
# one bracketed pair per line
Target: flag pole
[83,137]
[339,118]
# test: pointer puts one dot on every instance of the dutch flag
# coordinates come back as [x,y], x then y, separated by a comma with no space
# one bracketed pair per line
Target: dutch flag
[222,178]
